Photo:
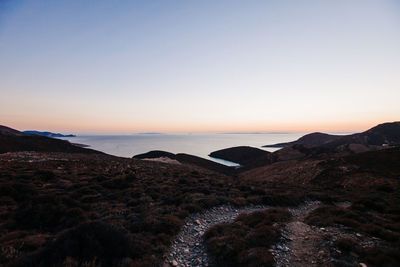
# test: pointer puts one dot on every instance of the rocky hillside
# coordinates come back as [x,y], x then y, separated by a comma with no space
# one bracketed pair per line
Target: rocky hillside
[12,140]
[81,209]
[382,134]
[312,139]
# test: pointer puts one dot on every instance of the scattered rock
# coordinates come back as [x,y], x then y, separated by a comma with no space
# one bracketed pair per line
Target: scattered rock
[187,248]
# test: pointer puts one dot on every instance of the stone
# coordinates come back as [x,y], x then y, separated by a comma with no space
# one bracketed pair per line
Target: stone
[174,263]
[197,221]
[362,264]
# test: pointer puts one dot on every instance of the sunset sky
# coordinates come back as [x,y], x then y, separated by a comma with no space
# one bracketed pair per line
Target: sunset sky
[198,66]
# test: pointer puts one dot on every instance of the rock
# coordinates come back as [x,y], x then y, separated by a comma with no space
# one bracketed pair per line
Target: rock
[174,263]
[197,221]
[362,264]
[322,229]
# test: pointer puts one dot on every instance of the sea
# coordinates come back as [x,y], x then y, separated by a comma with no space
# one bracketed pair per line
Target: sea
[198,144]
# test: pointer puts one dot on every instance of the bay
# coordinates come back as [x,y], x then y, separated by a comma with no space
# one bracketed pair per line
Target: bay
[198,144]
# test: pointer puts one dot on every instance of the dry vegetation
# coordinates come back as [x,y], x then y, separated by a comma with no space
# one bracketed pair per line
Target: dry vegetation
[99,210]
[79,208]
[246,241]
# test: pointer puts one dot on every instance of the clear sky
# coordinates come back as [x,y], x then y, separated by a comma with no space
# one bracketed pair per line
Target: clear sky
[170,66]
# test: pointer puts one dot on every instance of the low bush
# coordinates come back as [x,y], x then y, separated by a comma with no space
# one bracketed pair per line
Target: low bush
[85,243]
[44,175]
[347,245]
[48,213]
[245,242]
[167,224]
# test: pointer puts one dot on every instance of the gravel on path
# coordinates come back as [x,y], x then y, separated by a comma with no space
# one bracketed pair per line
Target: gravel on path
[187,248]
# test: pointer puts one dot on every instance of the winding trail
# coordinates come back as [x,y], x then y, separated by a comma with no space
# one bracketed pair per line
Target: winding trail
[187,248]
[301,244]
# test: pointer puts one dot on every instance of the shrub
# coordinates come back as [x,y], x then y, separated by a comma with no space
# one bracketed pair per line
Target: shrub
[382,257]
[45,175]
[48,213]
[86,243]
[255,257]
[246,241]
[167,224]
[262,236]
[347,245]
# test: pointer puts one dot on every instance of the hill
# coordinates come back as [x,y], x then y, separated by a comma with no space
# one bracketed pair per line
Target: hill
[80,209]
[312,139]
[248,157]
[7,131]
[382,134]
[12,140]
[188,159]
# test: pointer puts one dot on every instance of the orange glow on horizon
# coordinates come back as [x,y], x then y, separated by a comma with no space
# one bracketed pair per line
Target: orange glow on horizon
[97,127]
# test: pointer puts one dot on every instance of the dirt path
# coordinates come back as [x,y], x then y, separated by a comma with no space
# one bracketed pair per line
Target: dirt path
[302,245]
[187,249]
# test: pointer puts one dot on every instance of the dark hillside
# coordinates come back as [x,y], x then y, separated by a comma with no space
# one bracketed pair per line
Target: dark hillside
[248,157]
[76,209]
[155,154]
[4,130]
[189,159]
[312,139]
[385,133]
[12,140]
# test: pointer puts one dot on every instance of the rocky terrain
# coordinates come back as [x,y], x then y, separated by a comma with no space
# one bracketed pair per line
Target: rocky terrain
[62,205]
[382,134]
[187,248]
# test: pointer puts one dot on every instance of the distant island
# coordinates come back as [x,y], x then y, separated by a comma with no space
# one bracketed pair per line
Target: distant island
[149,133]
[49,134]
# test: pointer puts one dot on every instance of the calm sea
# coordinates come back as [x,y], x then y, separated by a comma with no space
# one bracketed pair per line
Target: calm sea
[195,144]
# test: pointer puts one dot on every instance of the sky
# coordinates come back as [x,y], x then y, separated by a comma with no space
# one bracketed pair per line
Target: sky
[199,66]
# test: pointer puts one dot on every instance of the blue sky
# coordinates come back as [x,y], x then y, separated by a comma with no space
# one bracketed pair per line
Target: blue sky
[132,66]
